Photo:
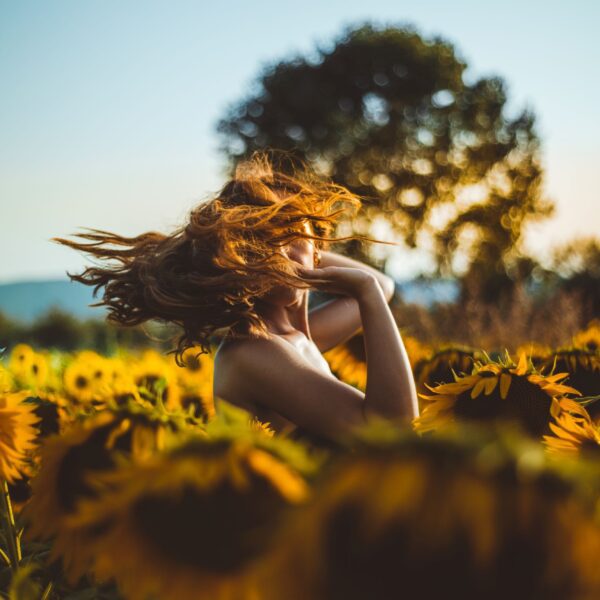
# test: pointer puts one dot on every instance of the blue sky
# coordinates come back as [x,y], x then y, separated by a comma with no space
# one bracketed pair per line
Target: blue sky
[108,107]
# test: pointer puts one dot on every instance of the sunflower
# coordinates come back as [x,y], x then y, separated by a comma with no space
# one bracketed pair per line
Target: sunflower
[97,380]
[17,434]
[440,367]
[589,338]
[68,461]
[119,371]
[21,359]
[195,381]
[100,367]
[455,516]
[197,404]
[261,427]
[29,368]
[157,377]
[235,422]
[107,379]
[536,353]
[573,429]
[197,519]
[417,351]
[51,421]
[85,379]
[38,377]
[7,383]
[51,408]
[348,361]
[495,390]
[197,368]
[582,366]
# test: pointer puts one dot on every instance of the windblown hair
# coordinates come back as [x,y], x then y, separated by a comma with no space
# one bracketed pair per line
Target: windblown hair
[207,276]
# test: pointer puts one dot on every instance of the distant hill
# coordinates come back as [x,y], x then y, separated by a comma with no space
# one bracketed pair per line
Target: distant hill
[28,300]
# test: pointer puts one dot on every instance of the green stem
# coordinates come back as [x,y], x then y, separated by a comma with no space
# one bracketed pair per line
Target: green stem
[4,557]
[47,591]
[8,524]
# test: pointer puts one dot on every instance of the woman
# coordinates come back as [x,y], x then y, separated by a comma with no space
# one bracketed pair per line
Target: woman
[239,272]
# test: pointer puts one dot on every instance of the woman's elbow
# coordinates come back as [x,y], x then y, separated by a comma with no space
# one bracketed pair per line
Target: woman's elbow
[388,286]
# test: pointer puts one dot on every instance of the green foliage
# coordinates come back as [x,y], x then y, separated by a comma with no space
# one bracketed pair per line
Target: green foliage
[389,114]
[59,330]
[23,586]
[55,327]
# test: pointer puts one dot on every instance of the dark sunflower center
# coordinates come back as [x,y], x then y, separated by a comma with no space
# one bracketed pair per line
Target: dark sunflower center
[199,409]
[92,455]
[593,409]
[147,380]
[193,364]
[411,552]
[525,403]
[440,369]
[218,531]
[48,413]
[583,379]
[20,490]
[590,447]
[362,566]
[122,399]
[154,383]
[81,382]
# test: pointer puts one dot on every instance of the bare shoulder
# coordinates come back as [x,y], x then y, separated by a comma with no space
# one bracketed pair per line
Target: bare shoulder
[233,357]
[233,351]
[271,374]
[244,373]
[237,361]
[249,353]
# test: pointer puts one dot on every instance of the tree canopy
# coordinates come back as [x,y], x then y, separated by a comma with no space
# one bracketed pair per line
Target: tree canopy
[390,115]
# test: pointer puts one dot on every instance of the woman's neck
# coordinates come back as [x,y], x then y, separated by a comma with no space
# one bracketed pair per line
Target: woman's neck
[281,320]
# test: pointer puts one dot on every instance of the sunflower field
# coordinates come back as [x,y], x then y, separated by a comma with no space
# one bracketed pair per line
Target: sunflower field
[123,477]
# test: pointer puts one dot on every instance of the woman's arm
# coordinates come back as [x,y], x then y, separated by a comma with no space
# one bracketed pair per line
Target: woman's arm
[337,320]
[275,375]
[390,390]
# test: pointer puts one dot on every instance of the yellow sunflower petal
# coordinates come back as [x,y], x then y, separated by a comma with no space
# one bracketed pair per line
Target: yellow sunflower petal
[505,380]
[455,388]
[490,385]
[563,434]
[574,407]
[522,366]
[556,377]
[478,388]
[558,389]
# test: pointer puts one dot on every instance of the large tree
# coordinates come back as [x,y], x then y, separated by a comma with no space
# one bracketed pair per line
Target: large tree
[389,114]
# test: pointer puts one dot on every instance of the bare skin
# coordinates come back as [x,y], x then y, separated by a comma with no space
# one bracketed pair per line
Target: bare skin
[286,381]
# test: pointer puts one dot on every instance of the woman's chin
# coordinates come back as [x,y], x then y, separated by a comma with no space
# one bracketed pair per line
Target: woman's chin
[286,298]
[291,301]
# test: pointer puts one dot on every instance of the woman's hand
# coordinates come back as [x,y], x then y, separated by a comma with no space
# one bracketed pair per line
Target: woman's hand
[338,280]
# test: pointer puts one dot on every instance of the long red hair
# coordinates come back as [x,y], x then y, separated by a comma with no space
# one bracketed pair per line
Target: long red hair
[207,275]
